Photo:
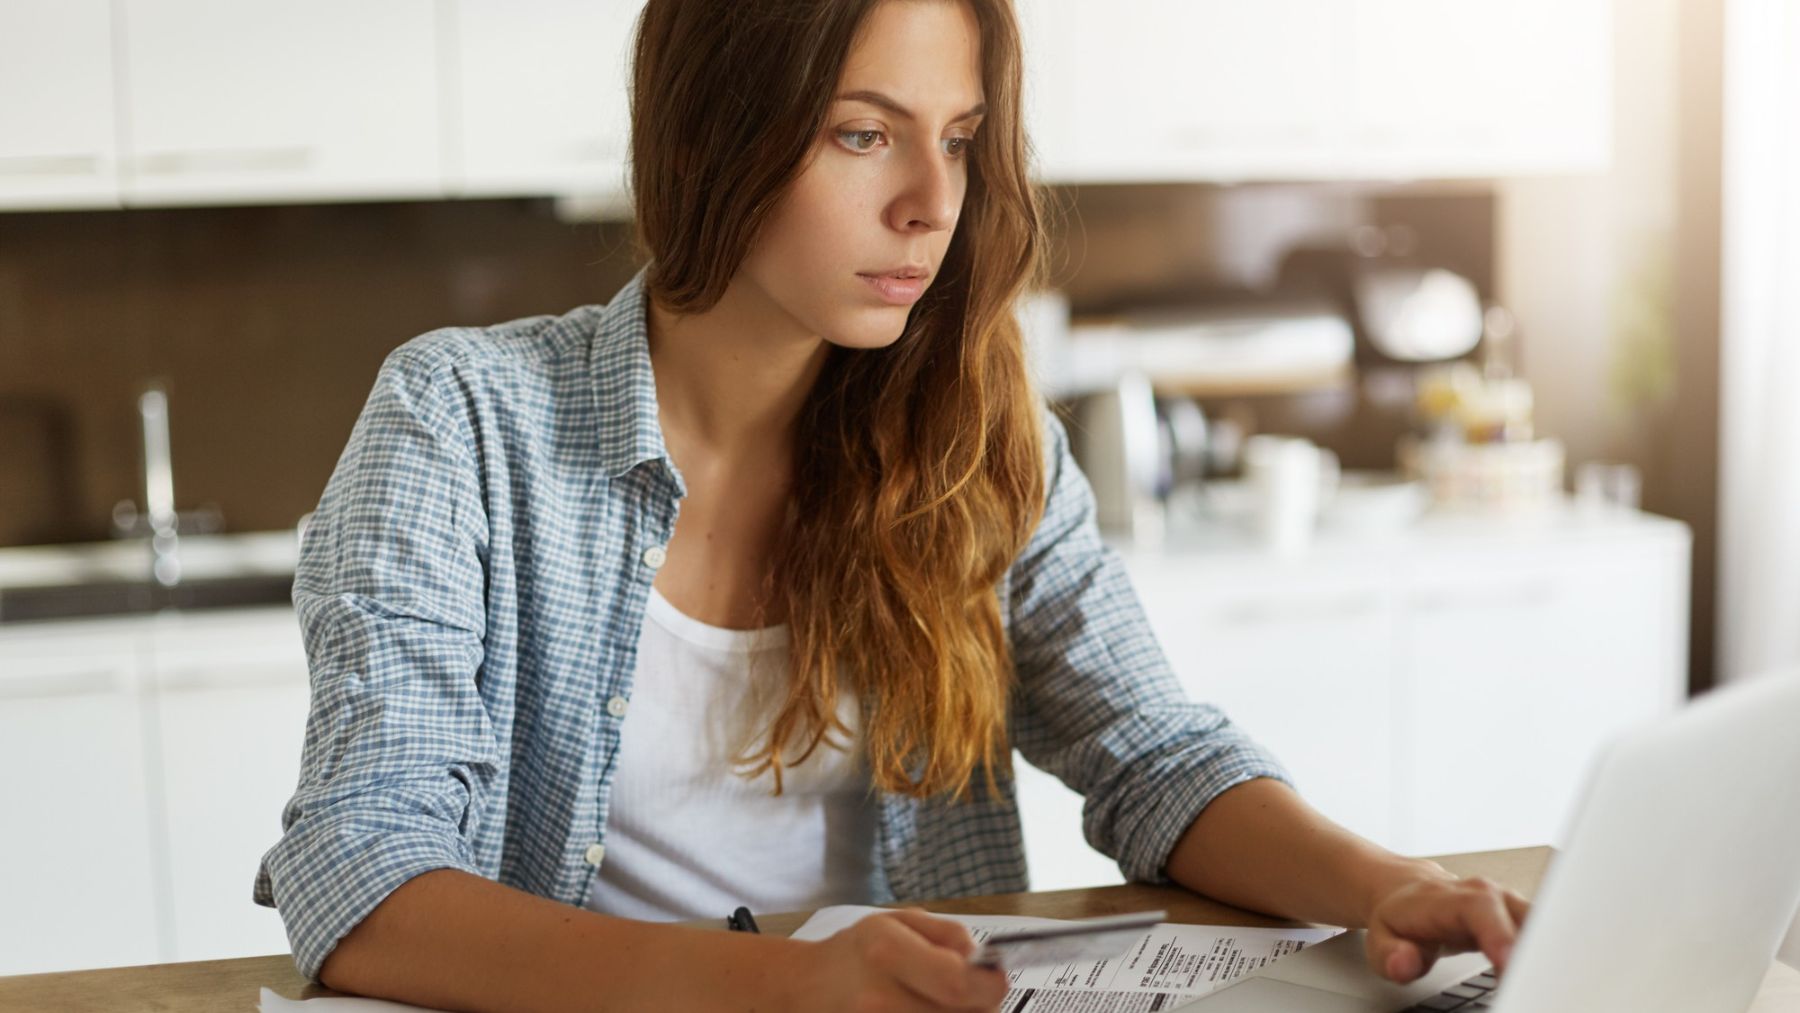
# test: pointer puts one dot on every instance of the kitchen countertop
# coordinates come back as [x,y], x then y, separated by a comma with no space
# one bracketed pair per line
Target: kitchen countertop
[1191,530]
[113,578]
[203,557]
[256,568]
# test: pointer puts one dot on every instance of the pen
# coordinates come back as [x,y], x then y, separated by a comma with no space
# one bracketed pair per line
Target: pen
[742,921]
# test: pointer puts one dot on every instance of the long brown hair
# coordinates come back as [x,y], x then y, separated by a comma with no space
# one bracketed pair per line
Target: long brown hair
[918,473]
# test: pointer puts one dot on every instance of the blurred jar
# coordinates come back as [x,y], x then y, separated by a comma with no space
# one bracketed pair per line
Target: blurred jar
[1602,485]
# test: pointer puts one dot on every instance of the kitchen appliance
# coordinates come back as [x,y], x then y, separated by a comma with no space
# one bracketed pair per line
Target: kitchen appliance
[1403,309]
[1119,448]
[1250,345]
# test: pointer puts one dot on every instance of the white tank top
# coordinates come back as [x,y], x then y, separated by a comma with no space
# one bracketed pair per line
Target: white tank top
[687,835]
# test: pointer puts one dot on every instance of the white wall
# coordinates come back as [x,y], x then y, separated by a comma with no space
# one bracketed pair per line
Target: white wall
[1759,494]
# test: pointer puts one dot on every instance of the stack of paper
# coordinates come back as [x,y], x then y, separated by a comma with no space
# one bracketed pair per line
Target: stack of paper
[1167,965]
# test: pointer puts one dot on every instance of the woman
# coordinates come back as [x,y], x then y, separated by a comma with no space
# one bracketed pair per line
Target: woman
[789,503]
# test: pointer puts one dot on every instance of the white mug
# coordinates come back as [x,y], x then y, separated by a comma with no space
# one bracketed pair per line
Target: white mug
[1293,479]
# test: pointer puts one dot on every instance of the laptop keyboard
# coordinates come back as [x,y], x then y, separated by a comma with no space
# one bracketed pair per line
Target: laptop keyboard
[1477,993]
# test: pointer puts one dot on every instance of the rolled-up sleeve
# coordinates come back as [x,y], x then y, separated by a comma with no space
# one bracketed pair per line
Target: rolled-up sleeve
[389,592]
[1097,704]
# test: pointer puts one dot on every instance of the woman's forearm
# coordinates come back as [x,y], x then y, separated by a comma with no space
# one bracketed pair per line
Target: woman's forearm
[457,941]
[1260,846]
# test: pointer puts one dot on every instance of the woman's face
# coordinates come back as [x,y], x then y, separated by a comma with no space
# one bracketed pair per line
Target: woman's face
[884,186]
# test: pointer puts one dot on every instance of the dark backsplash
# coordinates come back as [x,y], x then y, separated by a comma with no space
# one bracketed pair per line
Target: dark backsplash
[266,324]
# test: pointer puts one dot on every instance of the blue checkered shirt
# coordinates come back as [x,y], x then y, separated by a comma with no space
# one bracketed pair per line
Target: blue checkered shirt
[471,589]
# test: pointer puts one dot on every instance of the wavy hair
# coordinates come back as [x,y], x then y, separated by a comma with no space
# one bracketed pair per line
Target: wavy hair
[919,473]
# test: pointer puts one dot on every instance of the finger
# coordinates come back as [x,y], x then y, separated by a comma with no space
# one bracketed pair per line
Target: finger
[938,972]
[1399,961]
[1490,921]
[1518,907]
[938,931]
[1397,958]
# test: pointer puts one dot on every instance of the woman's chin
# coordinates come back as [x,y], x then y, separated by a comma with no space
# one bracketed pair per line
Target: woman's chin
[870,329]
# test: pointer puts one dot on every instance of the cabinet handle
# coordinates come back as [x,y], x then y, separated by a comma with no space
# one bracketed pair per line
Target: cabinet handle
[89,682]
[247,160]
[1256,613]
[593,148]
[49,165]
[191,680]
[1525,594]
[1211,137]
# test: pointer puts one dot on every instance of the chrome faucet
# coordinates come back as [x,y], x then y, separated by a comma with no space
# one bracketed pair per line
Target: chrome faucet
[159,487]
[159,520]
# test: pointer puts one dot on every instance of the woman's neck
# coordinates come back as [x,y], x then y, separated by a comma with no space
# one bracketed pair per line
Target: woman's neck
[732,379]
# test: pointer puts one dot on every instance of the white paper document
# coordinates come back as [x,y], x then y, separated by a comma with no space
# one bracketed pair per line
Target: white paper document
[1167,965]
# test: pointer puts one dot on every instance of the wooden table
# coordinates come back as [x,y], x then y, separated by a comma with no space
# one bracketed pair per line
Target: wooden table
[231,986]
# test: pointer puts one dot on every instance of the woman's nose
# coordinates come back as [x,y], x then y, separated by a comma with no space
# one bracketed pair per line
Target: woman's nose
[933,195]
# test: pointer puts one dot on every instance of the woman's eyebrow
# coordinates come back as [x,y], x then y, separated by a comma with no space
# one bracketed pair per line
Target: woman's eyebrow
[876,98]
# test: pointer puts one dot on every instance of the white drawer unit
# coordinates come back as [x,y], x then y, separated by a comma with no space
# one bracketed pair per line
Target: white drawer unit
[80,859]
[152,757]
[1436,691]
[231,703]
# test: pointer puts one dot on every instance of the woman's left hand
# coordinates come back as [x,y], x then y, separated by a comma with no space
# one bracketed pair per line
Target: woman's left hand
[1412,925]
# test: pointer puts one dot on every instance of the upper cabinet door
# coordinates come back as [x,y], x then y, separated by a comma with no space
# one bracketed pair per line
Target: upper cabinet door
[241,100]
[58,146]
[1481,88]
[1046,33]
[539,93]
[1226,90]
[1203,89]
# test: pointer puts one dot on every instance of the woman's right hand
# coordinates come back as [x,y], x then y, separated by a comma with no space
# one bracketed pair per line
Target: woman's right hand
[903,960]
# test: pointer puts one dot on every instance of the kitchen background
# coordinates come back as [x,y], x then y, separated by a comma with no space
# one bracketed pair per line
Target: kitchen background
[1504,231]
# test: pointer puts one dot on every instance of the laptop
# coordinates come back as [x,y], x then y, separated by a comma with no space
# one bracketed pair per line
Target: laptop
[1680,875]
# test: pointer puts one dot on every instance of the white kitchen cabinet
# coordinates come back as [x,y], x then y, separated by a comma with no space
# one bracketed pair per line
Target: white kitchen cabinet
[235,101]
[231,695]
[1300,658]
[1517,668]
[58,146]
[1220,91]
[79,859]
[257,101]
[1202,90]
[1438,690]
[1047,38]
[152,755]
[1056,854]
[1479,88]
[539,95]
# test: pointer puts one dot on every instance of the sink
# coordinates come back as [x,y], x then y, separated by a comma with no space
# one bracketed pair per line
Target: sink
[113,578]
[106,598]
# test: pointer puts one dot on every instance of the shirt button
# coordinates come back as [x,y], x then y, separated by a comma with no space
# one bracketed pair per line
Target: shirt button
[595,853]
[655,556]
[616,706]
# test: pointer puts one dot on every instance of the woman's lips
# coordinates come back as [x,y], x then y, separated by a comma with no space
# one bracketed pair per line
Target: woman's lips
[895,291]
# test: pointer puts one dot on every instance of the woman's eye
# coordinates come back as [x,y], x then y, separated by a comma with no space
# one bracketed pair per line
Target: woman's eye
[958,147]
[859,140]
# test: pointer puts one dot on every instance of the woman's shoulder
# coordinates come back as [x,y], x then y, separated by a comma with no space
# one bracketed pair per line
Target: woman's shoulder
[533,379]
[542,344]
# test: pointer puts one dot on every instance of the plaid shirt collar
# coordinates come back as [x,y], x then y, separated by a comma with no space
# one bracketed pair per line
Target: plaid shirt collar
[619,363]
